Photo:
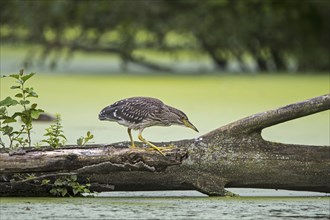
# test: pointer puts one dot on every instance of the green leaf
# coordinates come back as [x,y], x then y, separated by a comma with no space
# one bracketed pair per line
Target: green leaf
[7,130]
[73,177]
[61,135]
[19,95]
[3,110]
[45,182]
[8,102]
[24,102]
[34,105]
[32,94]
[3,117]
[9,120]
[26,120]
[16,76]
[53,191]
[80,141]
[75,191]
[48,134]
[64,191]
[35,114]
[17,114]
[40,110]
[58,182]
[15,87]
[45,141]
[26,77]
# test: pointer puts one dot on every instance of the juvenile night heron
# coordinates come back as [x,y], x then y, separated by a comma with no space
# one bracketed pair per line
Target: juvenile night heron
[138,113]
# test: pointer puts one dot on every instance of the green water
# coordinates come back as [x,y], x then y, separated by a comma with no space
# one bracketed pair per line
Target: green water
[165,208]
[209,102]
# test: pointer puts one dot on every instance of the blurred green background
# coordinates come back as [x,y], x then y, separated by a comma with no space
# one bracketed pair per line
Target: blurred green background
[216,60]
[221,35]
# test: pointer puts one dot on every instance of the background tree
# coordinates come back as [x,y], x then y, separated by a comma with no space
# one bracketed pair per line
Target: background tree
[274,35]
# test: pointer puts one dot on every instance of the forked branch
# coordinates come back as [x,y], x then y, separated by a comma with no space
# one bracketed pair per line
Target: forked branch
[257,122]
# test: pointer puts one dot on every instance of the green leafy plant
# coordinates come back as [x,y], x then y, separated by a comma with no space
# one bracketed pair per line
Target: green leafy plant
[22,136]
[6,120]
[55,134]
[66,186]
[82,141]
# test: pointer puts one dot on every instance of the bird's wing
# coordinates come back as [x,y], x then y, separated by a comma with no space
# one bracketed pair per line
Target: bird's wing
[137,110]
[133,110]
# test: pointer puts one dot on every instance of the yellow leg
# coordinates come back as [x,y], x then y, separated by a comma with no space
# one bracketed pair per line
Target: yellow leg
[130,137]
[150,144]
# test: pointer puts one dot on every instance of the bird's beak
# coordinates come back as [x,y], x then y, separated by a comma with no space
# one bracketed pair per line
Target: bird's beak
[189,124]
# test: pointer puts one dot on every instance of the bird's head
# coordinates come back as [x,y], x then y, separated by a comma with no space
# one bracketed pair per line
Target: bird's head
[178,117]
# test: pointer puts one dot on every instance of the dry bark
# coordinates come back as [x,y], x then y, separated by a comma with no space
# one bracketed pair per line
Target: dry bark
[234,155]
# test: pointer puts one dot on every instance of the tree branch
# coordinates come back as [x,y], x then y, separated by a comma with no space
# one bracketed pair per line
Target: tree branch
[234,155]
[257,122]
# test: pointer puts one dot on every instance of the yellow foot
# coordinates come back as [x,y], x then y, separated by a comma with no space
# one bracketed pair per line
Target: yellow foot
[170,147]
[154,147]
[132,145]
[151,148]
[160,149]
[157,149]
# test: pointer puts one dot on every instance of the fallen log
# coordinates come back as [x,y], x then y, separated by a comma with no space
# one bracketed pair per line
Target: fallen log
[234,155]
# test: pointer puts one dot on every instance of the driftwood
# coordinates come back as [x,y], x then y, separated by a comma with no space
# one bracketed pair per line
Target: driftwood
[234,155]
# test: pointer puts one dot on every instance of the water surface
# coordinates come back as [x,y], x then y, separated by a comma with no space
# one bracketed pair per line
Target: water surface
[166,208]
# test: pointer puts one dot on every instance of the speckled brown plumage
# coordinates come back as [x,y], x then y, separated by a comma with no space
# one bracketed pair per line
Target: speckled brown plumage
[138,113]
